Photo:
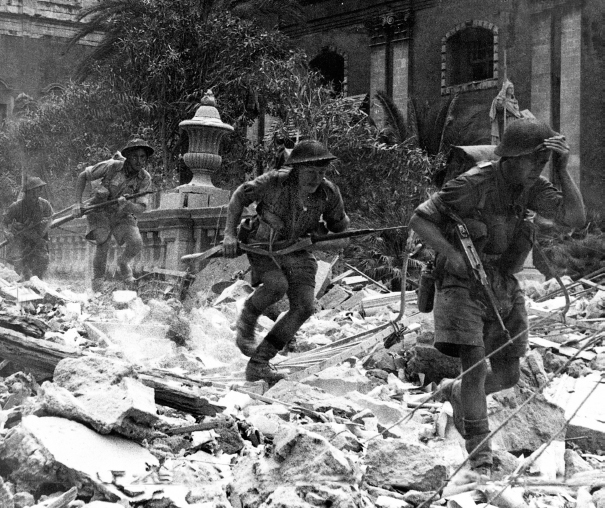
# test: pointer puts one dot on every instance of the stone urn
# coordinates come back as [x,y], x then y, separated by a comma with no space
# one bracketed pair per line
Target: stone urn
[205,131]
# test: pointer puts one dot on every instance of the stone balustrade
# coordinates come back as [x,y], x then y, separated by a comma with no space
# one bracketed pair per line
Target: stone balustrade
[167,234]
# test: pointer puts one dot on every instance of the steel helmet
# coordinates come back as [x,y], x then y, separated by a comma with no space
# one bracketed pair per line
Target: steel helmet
[134,144]
[522,137]
[33,182]
[309,151]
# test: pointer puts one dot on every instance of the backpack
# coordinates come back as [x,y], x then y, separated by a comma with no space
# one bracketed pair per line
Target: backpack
[461,159]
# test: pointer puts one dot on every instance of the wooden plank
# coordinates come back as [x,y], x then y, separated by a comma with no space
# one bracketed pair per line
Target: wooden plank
[556,317]
[592,284]
[343,275]
[42,356]
[327,347]
[355,350]
[566,351]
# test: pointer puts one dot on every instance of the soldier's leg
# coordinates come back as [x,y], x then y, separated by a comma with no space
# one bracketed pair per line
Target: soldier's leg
[474,405]
[299,271]
[273,287]
[301,299]
[130,237]
[505,370]
[39,260]
[100,236]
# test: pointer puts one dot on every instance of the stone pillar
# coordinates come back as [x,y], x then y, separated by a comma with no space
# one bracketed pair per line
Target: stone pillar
[178,231]
[378,77]
[571,80]
[401,75]
[541,88]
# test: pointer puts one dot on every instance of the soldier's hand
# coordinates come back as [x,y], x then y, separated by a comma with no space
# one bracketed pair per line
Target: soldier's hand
[122,202]
[77,211]
[456,265]
[558,144]
[229,246]
[8,236]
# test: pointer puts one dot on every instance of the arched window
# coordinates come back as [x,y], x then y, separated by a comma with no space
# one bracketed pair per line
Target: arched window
[332,67]
[53,89]
[469,57]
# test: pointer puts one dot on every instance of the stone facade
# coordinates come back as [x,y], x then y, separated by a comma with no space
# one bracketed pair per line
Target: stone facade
[33,38]
[554,56]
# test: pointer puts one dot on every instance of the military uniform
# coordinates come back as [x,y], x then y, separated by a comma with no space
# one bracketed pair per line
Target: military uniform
[29,250]
[107,221]
[291,203]
[280,216]
[496,215]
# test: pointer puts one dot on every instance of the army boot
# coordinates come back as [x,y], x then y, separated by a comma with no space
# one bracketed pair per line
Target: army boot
[480,453]
[259,368]
[450,390]
[126,272]
[245,327]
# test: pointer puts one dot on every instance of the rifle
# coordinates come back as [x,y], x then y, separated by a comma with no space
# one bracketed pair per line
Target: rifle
[87,209]
[478,272]
[285,247]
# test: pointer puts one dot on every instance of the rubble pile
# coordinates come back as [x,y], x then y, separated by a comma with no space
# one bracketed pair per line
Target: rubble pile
[114,399]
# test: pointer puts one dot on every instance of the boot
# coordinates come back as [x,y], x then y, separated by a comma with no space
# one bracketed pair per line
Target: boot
[480,454]
[245,328]
[126,272]
[450,389]
[259,368]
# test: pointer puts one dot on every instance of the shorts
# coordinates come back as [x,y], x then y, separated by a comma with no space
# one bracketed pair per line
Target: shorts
[462,320]
[298,267]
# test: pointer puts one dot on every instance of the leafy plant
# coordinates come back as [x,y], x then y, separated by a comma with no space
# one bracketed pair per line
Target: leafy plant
[169,53]
[570,252]
[62,134]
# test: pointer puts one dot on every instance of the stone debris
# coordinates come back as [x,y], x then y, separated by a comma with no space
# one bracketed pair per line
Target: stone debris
[359,429]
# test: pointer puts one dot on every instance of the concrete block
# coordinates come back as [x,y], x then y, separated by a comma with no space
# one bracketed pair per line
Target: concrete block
[172,200]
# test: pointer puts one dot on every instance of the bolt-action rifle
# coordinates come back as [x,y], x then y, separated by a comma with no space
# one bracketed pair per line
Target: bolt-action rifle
[475,266]
[285,247]
[85,209]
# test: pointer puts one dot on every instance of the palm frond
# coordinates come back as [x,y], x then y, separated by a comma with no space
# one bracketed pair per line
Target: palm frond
[447,120]
[393,116]
[413,122]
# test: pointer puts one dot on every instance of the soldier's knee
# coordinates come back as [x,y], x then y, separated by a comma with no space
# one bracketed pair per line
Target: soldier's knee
[276,284]
[134,243]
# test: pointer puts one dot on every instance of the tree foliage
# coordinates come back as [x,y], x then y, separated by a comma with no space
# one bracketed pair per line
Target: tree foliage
[60,135]
[169,53]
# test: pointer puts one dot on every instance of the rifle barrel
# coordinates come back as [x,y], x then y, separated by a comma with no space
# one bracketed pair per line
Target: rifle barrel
[352,233]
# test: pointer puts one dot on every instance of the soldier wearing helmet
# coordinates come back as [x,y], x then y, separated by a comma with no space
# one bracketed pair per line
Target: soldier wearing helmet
[120,176]
[26,224]
[292,202]
[494,200]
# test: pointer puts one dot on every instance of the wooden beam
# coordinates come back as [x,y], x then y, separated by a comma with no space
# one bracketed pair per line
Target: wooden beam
[42,357]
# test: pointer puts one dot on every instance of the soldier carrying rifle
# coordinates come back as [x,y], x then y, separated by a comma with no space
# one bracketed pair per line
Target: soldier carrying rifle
[292,202]
[121,176]
[26,224]
[492,200]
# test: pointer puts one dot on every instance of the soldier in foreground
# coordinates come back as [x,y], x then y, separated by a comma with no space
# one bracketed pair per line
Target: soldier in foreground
[492,200]
[26,223]
[292,202]
[123,175]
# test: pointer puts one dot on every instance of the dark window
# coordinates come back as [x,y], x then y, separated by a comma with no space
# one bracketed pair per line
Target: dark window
[470,56]
[332,68]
